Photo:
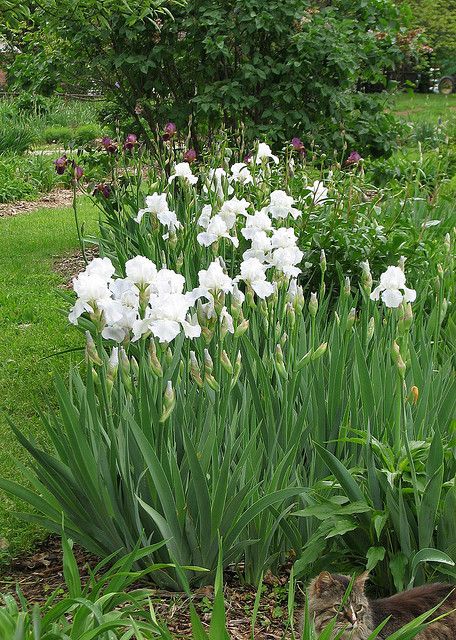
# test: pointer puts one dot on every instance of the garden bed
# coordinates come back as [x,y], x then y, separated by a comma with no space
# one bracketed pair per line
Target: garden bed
[54,200]
[39,573]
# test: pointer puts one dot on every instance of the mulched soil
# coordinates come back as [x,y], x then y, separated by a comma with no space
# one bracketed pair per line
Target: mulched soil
[53,200]
[41,573]
[71,264]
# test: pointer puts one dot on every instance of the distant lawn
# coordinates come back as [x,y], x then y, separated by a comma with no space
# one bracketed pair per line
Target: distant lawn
[31,327]
[420,107]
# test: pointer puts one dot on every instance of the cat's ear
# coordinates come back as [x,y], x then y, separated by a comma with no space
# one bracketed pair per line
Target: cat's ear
[323,581]
[362,579]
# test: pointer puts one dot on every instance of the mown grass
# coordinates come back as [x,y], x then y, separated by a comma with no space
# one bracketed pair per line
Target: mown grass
[425,107]
[32,327]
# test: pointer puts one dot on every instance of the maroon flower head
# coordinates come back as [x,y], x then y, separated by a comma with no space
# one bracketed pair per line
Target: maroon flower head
[109,145]
[247,158]
[61,164]
[298,145]
[78,171]
[169,131]
[190,156]
[353,158]
[102,189]
[130,142]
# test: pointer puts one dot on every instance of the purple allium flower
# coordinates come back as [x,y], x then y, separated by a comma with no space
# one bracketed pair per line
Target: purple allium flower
[190,156]
[109,145]
[61,164]
[130,142]
[102,189]
[169,131]
[353,158]
[298,145]
[247,158]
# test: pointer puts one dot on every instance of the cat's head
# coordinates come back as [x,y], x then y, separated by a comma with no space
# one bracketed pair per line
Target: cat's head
[328,600]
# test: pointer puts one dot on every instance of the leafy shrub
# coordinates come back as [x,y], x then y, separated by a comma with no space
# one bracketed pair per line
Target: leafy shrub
[276,68]
[24,178]
[86,133]
[32,104]
[63,135]
[71,136]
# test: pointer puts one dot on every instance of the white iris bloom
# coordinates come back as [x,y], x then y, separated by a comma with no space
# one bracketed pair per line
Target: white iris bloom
[281,206]
[318,192]
[216,229]
[183,170]
[392,289]
[253,272]
[264,153]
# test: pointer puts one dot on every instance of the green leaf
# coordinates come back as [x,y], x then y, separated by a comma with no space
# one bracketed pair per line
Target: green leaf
[374,556]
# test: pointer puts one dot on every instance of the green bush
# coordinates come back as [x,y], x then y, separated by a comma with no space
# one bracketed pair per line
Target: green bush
[53,134]
[259,68]
[24,178]
[71,136]
[32,104]
[86,133]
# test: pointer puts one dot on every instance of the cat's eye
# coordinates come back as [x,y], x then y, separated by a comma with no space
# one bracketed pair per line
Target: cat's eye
[358,608]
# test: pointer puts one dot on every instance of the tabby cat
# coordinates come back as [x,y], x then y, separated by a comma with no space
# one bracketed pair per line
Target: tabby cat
[359,616]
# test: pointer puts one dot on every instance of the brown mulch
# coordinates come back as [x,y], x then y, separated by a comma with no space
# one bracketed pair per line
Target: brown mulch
[40,573]
[71,264]
[53,200]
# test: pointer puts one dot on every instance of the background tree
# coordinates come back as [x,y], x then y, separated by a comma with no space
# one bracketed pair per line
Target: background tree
[438,20]
[269,67]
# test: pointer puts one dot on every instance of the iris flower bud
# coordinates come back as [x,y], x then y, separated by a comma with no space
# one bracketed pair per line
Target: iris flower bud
[366,277]
[91,350]
[241,328]
[169,402]
[319,351]
[370,329]
[154,362]
[226,363]
[280,363]
[323,261]
[195,370]
[351,319]
[313,304]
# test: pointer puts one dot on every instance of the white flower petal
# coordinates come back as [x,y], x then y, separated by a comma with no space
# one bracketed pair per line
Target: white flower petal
[409,294]
[165,330]
[392,298]
[262,288]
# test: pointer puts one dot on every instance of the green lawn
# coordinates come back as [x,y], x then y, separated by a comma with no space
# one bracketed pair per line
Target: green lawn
[420,107]
[31,328]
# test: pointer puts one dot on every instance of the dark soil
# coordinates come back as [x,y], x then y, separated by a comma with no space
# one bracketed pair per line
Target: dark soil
[71,264]
[40,573]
